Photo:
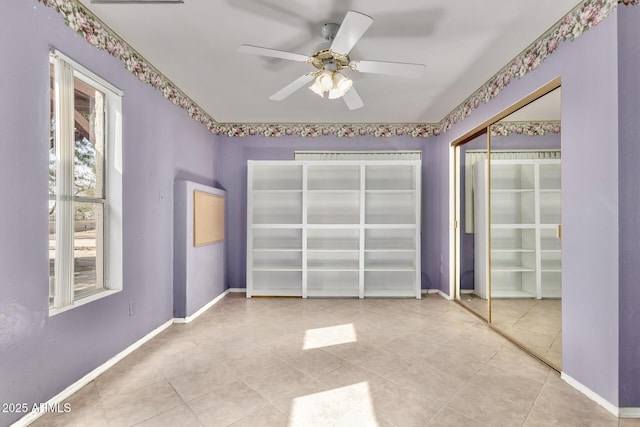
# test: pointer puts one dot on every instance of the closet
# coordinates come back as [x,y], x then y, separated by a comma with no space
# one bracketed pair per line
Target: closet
[334,228]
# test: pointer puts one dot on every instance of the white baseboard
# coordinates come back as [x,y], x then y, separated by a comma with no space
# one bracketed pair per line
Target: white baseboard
[439,292]
[466,291]
[206,307]
[60,397]
[618,412]
[629,413]
[64,394]
[242,290]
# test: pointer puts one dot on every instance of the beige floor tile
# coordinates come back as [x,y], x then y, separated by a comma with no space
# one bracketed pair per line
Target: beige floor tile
[267,416]
[349,374]
[447,417]
[125,377]
[281,382]
[402,407]
[82,406]
[495,396]
[179,416]
[560,405]
[382,362]
[227,404]
[517,362]
[315,362]
[192,385]
[434,384]
[630,422]
[360,418]
[130,407]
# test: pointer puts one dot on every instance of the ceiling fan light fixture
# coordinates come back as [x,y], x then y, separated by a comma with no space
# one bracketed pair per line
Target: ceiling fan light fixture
[325,80]
[317,89]
[342,83]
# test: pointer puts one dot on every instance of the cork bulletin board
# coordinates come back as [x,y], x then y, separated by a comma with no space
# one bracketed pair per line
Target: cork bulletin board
[208,218]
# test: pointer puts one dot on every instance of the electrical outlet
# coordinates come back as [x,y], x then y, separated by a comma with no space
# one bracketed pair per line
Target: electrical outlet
[132,309]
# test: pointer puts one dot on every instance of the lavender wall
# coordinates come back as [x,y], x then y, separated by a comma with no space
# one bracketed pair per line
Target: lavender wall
[233,178]
[41,355]
[198,272]
[629,194]
[588,67]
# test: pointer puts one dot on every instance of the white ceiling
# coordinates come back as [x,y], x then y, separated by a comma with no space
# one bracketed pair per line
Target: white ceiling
[462,44]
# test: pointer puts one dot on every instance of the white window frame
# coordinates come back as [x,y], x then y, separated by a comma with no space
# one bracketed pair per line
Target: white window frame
[65,70]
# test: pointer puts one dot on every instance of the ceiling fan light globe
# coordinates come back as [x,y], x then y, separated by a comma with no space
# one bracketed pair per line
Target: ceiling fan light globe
[325,80]
[342,83]
[315,88]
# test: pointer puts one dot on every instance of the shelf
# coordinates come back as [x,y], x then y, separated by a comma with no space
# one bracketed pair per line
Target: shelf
[275,283]
[511,250]
[389,192]
[333,293]
[389,177]
[333,265]
[551,266]
[511,268]
[275,292]
[277,239]
[282,177]
[512,191]
[512,226]
[511,176]
[511,294]
[333,177]
[275,268]
[282,207]
[389,219]
[333,207]
[332,239]
[396,293]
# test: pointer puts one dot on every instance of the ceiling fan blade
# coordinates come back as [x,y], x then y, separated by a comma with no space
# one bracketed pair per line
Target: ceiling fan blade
[291,87]
[352,99]
[352,28]
[274,53]
[402,69]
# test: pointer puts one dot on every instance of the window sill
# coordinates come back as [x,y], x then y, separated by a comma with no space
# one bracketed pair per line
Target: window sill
[82,301]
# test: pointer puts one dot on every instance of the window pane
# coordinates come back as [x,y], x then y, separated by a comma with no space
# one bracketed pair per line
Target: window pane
[52,187]
[88,250]
[89,140]
[52,251]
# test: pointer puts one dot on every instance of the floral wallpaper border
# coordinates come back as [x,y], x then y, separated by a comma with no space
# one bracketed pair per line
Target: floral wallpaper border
[587,14]
[536,128]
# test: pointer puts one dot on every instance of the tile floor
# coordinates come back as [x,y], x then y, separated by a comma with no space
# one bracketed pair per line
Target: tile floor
[325,362]
[536,324]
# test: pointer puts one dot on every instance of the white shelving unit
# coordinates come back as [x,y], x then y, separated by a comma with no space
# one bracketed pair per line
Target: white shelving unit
[525,215]
[334,228]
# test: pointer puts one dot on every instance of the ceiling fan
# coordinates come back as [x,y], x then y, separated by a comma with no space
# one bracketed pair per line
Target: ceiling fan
[331,58]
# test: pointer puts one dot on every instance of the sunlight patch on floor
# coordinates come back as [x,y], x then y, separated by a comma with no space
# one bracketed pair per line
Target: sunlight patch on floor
[337,406]
[332,335]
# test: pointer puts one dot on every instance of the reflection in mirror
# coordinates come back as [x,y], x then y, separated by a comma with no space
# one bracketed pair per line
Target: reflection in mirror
[524,227]
[471,293]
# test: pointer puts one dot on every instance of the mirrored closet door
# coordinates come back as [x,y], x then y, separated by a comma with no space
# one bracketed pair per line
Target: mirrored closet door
[515,267]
